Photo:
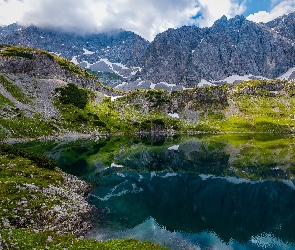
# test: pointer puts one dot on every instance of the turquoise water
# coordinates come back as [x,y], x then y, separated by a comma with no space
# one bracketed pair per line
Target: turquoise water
[189,192]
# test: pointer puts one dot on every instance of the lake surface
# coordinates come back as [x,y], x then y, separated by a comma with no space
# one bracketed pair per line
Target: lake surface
[187,192]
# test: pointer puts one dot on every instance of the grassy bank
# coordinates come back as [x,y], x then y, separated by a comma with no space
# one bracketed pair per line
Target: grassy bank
[33,195]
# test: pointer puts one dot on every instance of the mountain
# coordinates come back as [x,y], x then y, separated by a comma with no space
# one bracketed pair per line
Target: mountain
[42,94]
[284,26]
[232,50]
[237,47]
[116,51]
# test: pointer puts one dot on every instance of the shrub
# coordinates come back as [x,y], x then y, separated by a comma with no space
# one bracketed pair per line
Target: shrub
[17,51]
[42,161]
[71,94]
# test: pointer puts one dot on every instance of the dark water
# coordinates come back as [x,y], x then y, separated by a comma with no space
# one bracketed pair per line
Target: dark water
[200,192]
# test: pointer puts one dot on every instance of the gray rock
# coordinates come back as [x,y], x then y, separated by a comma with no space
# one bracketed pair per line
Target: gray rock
[118,46]
[236,46]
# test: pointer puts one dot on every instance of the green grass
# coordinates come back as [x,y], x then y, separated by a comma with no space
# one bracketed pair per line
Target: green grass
[5,101]
[27,239]
[25,127]
[14,90]
[100,117]
[20,209]
[256,109]
[17,51]
[16,171]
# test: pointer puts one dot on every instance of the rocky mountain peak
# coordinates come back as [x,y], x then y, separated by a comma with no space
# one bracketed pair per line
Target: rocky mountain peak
[231,47]
[232,24]
[186,56]
[284,26]
[116,46]
[221,21]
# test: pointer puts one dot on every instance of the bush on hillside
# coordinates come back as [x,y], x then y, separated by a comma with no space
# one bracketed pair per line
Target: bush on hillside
[41,160]
[71,94]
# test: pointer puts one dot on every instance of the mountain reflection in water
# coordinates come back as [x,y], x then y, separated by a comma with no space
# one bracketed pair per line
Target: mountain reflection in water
[225,191]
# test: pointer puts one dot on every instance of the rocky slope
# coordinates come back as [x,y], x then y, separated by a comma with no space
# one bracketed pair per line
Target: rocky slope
[237,46]
[283,26]
[43,95]
[44,208]
[28,79]
[231,50]
[116,51]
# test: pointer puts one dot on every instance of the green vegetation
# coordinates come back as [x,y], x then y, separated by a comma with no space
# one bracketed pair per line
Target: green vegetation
[5,101]
[258,106]
[26,127]
[14,90]
[17,51]
[81,113]
[22,177]
[16,174]
[27,239]
[93,117]
[71,94]
[251,106]
[71,67]
[40,160]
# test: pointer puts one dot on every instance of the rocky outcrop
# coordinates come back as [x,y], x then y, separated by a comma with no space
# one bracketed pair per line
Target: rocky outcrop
[118,46]
[37,78]
[283,26]
[58,218]
[230,47]
[44,66]
[167,58]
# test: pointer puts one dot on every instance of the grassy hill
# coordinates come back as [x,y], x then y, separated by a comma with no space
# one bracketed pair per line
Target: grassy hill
[42,94]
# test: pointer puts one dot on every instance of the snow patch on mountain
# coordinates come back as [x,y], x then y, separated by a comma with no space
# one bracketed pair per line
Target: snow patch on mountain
[74,60]
[87,52]
[104,65]
[289,75]
[238,78]
[204,83]
[175,148]
[120,65]
[174,115]
[145,84]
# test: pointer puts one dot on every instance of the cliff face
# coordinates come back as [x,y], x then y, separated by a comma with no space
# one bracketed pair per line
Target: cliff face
[118,46]
[230,47]
[230,50]
[284,26]
[168,57]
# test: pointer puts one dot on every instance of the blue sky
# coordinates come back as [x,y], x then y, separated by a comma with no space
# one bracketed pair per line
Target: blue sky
[144,17]
[254,6]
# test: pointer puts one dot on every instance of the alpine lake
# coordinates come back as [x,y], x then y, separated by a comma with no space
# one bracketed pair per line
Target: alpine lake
[187,192]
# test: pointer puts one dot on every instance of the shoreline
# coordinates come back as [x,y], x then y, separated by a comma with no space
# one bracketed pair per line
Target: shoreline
[76,135]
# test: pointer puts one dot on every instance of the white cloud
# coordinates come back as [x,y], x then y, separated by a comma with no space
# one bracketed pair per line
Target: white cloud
[284,7]
[12,11]
[146,18]
[212,10]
